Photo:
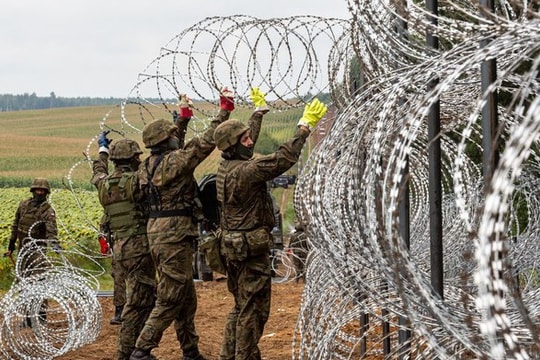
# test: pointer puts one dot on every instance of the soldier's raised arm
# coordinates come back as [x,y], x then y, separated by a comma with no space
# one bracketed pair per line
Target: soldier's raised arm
[100,167]
[261,108]
[181,120]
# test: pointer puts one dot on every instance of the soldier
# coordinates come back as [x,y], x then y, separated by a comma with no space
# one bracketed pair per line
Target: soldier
[300,249]
[167,178]
[34,227]
[247,217]
[123,204]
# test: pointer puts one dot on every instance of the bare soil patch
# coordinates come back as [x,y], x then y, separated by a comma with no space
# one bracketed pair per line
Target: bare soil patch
[214,303]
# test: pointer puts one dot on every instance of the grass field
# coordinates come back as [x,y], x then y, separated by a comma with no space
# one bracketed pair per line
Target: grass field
[52,143]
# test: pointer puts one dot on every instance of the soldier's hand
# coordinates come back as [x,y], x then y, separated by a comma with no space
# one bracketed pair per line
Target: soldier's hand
[104,142]
[226,99]
[185,104]
[313,113]
[258,98]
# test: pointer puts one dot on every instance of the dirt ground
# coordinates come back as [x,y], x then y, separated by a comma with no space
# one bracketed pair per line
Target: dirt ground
[214,303]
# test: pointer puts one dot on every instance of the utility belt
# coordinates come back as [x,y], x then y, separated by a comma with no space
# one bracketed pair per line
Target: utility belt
[171,213]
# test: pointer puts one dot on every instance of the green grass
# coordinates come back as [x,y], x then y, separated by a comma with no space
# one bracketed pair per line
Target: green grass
[51,143]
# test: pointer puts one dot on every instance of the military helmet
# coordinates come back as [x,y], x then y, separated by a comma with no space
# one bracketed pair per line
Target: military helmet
[157,131]
[228,133]
[40,183]
[124,149]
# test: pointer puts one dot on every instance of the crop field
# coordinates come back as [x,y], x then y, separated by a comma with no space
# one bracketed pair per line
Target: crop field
[53,143]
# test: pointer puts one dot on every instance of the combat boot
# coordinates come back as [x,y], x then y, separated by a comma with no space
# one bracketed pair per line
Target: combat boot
[140,354]
[193,355]
[117,319]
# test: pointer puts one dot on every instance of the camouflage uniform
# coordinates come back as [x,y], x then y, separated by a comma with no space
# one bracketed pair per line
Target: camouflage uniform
[122,201]
[167,176]
[119,278]
[37,215]
[247,217]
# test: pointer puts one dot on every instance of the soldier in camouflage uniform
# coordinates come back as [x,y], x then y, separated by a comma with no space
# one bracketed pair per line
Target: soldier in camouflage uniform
[123,204]
[167,177]
[300,247]
[247,218]
[34,227]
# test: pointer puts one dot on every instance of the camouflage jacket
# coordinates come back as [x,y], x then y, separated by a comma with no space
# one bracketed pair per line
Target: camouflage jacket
[123,203]
[39,217]
[169,177]
[242,192]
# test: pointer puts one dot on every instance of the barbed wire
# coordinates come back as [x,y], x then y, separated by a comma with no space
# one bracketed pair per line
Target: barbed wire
[350,195]
[51,307]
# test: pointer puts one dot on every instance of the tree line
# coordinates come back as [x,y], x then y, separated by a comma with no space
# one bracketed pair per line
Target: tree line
[9,102]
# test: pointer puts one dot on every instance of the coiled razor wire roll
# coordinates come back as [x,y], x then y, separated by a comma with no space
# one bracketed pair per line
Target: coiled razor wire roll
[287,58]
[50,309]
[349,193]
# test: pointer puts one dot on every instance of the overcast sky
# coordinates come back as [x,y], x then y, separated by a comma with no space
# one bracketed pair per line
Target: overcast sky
[98,47]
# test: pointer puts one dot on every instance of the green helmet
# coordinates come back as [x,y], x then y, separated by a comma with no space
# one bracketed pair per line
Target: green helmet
[156,132]
[124,149]
[228,133]
[40,183]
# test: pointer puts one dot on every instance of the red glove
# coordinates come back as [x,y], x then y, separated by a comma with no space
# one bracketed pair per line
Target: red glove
[103,245]
[186,112]
[226,99]
[185,104]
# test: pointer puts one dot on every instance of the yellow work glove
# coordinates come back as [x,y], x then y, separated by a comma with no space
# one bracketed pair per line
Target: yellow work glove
[257,96]
[313,112]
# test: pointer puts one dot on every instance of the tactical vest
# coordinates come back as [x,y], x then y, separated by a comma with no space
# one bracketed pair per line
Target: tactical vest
[254,208]
[32,217]
[126,217]
[180,198]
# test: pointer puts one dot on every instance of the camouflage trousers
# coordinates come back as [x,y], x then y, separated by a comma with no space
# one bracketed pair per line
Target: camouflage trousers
[140,299]
[176,298]
[250,282]
[119,275]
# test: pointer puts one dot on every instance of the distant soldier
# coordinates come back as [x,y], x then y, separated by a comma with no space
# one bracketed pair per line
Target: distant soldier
[300,248]
[247,218]
[123,204]
[167,178]
[34,227]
